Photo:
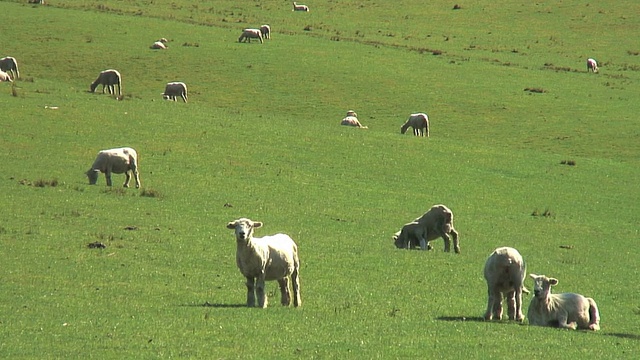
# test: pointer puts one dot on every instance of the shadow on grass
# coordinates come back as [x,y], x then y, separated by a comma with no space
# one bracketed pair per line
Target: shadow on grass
[217,305]
[461,318]
[625,336]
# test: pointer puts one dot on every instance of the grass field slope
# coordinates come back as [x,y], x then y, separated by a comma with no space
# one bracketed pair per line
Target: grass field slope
[527,148]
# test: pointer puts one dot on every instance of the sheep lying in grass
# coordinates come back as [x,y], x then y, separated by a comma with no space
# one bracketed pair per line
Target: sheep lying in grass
[437,222]
[109,78]
[160,44]
[419,122]
[10,65]
[505,271]
[248,34]
[266,31]
[175,89]
[565,310]
[117,161]
[268,258]
[300,7]
[592,65]
[5,77]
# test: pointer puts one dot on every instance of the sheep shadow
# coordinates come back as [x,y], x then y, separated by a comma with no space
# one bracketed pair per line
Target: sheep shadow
[461,318]
[625,336]
[207,304]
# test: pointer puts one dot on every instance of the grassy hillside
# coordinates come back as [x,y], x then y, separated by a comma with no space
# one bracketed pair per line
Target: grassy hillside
[260,138]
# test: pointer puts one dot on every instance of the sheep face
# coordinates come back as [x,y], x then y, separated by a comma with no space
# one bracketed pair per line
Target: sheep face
[92,174]
[542,286]
[244,228]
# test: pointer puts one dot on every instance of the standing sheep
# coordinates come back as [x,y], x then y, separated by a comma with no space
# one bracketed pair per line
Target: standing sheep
[565,310]
[175,89]
[10,65]
[419,122]
[266,31]
[248,34]
[109,78]
[592,65]
[5,77]
[117,161]
[505,271]
[300,7]
[263,259]
[437,222]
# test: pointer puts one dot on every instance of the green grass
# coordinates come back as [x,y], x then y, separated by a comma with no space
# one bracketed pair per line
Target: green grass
[166,285]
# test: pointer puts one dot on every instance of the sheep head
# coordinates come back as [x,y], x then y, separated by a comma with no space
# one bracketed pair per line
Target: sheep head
[92,174]
[542,285]
[244,228]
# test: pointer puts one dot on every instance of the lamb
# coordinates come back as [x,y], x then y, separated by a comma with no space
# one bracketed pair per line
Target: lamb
[109,78]
[117,161]
[5,77]
[419,122]
[300,7]
[505,271]
[248,34]
[592,65]
[266,31]
[268,258]
[437,222]
[565,310]
[160,44]
[175,89]
[10,65]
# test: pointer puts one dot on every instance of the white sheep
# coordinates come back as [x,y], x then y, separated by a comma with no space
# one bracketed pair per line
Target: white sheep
[5,77]
[592,65]
[419,122]
[266,31]
[175,89]
[109,78]
[117,161]
[565,310]
[10,65]
[436,222]
[248,34]
[160,44]
[300,7]
[268,258]
[505,271]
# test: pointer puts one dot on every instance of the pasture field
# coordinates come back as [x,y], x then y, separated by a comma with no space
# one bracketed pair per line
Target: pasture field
[260,138]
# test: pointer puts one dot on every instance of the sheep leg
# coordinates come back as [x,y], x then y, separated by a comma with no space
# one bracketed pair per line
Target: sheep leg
[107,176]
[295,279]
[497,304]
[137,177]
[262,297]
[563,318]
[285,295]
[456,242]
[251,296]
[518,296]
[127,177]
[423,243]
[511,305]
[447,242]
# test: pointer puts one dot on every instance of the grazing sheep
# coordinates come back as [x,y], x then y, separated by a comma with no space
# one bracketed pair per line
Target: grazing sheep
[5,77]
[10,65]
[505,271]
[109,78]
[437,222]
[117,161]
[160,44]
[565,310]
[175,89]
[248,34]
[419,122]
[268,258]
[300,7]
[266,31]
[592,65]
[409,236]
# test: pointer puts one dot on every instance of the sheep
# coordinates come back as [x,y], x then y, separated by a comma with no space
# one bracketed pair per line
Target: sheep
[564,310]
[117,161]
[436,222]
[352,120]
[109,78]
[268,258]
[175,89]
[592,65]
[419,122]
[505,271]
[248,34]
[266,31]
[10,65]
[160,44]
[41,2]
[300,7]
[5,77]
[352,113]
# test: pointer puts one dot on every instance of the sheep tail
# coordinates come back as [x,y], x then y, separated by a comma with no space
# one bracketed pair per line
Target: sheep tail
[594,315]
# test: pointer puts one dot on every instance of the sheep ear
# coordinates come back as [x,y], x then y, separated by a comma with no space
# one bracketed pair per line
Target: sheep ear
[231,225]
[553,281]
[257,224]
